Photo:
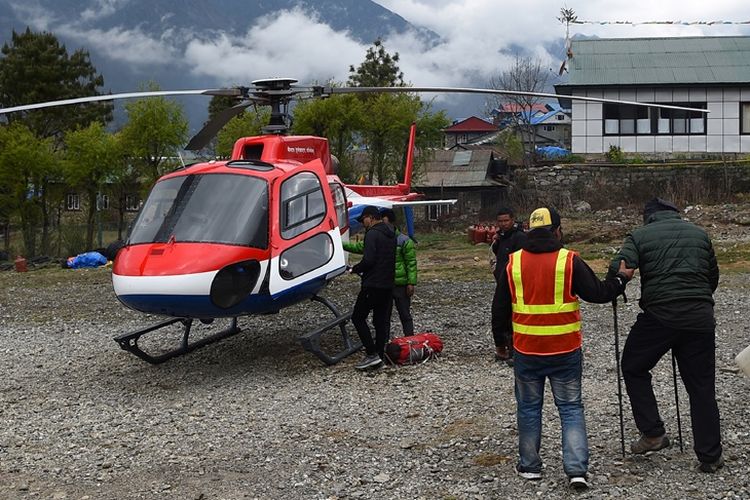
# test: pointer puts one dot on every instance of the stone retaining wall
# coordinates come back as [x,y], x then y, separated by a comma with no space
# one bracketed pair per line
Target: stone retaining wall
[603,186]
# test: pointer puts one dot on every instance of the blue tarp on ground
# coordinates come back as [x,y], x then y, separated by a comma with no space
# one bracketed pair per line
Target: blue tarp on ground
[88,259]
[552,152]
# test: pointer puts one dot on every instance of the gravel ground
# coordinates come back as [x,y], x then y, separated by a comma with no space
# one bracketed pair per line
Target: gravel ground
[255,416]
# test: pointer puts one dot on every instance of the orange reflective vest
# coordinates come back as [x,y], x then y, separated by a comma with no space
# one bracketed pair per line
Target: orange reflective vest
[546,314]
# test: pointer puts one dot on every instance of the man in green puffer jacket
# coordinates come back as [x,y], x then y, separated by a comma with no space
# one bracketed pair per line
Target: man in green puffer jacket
[406,271]
[679,274]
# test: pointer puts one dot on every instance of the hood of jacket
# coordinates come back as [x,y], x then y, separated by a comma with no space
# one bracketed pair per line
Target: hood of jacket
[541,241]
[662,215]
[384,228]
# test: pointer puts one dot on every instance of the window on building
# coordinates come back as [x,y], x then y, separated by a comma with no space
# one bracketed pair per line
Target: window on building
[560,117]
[549,128]
[132,203]
[680,122]
[435,212]
[302,204]
[72,201]
[102,201]
[623,119]
[745,117]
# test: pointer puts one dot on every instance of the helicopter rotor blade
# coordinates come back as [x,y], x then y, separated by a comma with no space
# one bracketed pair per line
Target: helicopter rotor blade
[237,92]
[327,91]
[210,129]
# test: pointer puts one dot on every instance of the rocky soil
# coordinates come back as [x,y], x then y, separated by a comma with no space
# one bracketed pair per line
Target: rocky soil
[256,416]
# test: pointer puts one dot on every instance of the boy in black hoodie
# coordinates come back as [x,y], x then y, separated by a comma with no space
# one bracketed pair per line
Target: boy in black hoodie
[377,269]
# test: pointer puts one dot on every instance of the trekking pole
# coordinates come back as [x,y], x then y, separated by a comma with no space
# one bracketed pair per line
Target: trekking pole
[619,382]
[677,402]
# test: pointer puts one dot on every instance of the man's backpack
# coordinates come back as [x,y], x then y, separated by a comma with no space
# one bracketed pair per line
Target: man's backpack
[413,349]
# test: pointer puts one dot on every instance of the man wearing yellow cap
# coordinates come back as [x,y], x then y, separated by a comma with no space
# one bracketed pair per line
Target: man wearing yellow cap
[540,290]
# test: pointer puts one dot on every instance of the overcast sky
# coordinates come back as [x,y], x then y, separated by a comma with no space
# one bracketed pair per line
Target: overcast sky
[476,31]
[476,38]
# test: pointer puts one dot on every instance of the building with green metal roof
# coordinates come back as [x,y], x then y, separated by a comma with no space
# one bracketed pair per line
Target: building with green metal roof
[711,73]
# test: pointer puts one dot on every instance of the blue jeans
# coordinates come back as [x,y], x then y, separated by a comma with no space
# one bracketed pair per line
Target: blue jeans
[564,373]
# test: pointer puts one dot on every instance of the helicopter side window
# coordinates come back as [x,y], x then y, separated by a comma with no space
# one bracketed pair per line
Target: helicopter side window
[308,255]
[339,201]
[302,204]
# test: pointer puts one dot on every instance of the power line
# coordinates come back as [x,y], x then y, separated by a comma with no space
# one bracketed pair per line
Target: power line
[678,23]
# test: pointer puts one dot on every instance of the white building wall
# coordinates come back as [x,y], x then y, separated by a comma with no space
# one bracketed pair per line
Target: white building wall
[594,144]
[722,123]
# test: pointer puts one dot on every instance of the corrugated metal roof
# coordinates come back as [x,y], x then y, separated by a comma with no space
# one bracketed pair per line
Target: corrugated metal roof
[659,61]
[471,124]
[441,170]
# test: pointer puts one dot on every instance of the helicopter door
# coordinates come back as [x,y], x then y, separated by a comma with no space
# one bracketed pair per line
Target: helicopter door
[311,248]
[339,202]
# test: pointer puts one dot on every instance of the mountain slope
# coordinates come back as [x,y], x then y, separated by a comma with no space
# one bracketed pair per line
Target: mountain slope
[197,44]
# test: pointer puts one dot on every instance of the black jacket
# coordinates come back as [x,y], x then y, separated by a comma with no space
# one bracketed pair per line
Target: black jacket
[507,243]
[378,264]
[586,284]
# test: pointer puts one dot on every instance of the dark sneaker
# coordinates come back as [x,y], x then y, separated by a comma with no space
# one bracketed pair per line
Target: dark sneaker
[531,476]
[578,483]
[711,467]
[647,444]
[370,361]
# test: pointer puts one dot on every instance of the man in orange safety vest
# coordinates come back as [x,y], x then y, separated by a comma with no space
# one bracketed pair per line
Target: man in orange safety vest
[539,302]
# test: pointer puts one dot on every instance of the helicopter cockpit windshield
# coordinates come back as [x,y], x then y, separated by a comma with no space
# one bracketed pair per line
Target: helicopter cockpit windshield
[207,208]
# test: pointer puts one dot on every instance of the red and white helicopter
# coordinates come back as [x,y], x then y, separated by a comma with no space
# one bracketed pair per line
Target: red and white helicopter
[256,233]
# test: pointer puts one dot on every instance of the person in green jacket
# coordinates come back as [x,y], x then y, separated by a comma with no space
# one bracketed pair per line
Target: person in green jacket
[406,271]
[679,275]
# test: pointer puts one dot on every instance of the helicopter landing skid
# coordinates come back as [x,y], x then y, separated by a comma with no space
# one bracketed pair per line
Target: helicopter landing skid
[129,341]
[311,340]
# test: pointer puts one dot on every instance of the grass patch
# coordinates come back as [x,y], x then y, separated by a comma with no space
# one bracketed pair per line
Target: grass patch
[450,256]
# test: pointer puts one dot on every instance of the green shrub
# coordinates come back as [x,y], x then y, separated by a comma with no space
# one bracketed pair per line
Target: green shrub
[571,158]
[614,155]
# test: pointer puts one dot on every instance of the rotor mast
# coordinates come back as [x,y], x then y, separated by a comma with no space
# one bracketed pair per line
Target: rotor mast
[278,92]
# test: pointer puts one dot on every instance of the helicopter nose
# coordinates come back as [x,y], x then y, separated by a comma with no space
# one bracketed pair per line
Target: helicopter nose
[234,282]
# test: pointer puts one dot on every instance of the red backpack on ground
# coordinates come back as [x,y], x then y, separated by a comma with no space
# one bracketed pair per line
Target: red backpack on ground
[413,349]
